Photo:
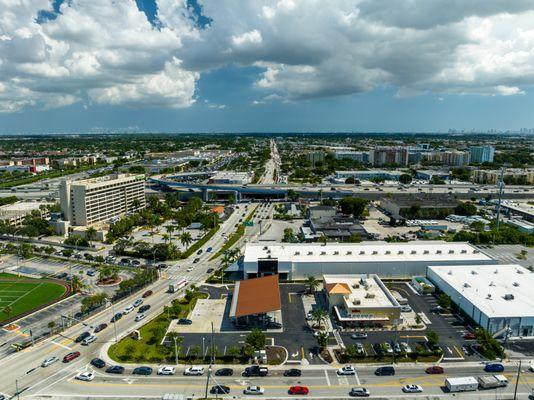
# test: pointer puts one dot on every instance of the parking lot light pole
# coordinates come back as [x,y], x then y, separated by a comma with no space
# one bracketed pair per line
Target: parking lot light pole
[175,350]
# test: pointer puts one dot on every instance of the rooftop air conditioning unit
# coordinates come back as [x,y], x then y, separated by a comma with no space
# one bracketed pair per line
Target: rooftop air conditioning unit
[438,251]
[519,271]
[426,252]
[496,271]
[349,253]
[336,253]
[516,284]
[450,272]
[451,251]
[369,296]
[355,286]
[413,252]
[388,252]
[464,251]
[362,252]
[467,285]
[491,283]
[401,252]
[508,296]
[323,253]
[356,302]
[265,248]
[375,252]
[473,272]
[476,251]
[310,253]
[488,296]
[297,253]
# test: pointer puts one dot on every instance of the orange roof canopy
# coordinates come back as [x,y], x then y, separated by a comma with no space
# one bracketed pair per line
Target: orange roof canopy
[256,296]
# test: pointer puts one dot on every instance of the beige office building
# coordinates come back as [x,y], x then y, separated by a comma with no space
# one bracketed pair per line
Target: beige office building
[89,201]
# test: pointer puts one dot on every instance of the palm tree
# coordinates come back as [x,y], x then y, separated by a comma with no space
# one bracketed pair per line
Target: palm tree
[170,229]
[312,283]
[7,310]
[166,238]
[90,234]
[322,340]
[319,315]
[186,239]
[76,284]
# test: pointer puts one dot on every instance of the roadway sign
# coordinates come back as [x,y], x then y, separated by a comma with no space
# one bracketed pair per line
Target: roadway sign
[249,223]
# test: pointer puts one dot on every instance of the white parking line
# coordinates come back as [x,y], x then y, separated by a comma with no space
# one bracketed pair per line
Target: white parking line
[327,378]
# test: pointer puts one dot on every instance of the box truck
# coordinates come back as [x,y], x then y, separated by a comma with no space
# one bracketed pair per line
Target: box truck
[492,381]
[177,285]
[461,384]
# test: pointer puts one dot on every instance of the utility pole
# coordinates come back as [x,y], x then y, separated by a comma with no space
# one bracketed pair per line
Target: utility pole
[17,387]
[517,380]
[175,350]
[211,362]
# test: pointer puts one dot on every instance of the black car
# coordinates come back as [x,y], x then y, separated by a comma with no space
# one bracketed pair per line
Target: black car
[162,266]
[97,362]
[143,308]
[220,389]
[199,252]
[62,275]
[82,336]
[184,321]
[196,260]
[115,369]
[142,371]
[224,372]
[274,325]
[100,327]
[384,371]
[378,349]
[116,317]
[293,372]
[210,270]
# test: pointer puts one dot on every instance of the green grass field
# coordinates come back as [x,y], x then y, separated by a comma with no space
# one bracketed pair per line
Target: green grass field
[23,294]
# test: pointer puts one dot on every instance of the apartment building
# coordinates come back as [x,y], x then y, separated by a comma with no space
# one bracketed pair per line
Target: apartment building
[481,154]
[511,176]
[89,201]
[389,155]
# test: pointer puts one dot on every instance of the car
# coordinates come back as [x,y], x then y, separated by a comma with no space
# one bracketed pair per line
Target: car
[208,250]
[359,348]
[412,389]
[88,340]
[298,390]
[184,321]
[87,376]
[139,317]
[274,325]
[224,372]
[116,317]
[136,263]
[396,347]
[254,390]
[256,370]
[406,309]
[91,272]
[387,347]
[220,389]
[346,370]
[128,310]
[359,392]
[49,361]
[189,269]
[378,349]
[194,371]
[494,367]
[469,336]
[162,266]
[359,335]
[210,270]
[100,327]
[147,294]
[125,261]
[385,371]
[137,303]
[435,369]
[142,371]
[531,366]
[167,370]
[115,369]
[406,347]
[82,336]
[317,333]
[98,363]
[199,252]
[143,308]
[293,372]
[196,260]
[71,356]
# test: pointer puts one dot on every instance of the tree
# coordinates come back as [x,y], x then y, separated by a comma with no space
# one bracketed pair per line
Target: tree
[292,195]
[433,338]
[354,238]
[444,301]
[289,236]
[353,206]
[466,208]
[76,283]
[405,179]
[312,283]
[256,339]
[90,234]
[186,239]
[319,315]
[170,229]
[7,310]
[350,180]
[418,319]
[322,340]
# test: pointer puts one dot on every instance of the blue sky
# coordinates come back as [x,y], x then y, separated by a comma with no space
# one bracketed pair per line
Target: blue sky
[223,68]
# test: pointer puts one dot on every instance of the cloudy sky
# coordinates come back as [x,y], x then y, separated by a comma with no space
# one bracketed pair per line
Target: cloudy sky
[270,65]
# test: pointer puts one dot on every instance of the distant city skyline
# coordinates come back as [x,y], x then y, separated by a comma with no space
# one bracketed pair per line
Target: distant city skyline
[266,66]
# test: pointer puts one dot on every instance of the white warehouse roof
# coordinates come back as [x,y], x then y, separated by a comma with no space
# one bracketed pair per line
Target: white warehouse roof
[376,251]
[485,286]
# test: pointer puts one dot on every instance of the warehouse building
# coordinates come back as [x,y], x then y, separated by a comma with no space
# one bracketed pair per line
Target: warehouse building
[89,201]
[498,298]
[360,300]
[294,261]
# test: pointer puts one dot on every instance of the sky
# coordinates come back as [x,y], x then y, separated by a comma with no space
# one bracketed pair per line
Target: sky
[266,65]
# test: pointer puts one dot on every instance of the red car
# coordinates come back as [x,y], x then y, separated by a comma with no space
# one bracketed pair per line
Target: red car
[71,356]
[436,369]
[147,293]
[469,335]
[298,390]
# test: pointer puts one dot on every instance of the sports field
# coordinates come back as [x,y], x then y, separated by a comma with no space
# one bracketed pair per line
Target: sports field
[23,294]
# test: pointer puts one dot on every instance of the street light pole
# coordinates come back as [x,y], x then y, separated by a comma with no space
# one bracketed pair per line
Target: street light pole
[517,380]
[175,351]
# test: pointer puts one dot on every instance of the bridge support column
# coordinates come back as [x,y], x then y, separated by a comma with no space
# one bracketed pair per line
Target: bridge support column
[237,196]
[205,195]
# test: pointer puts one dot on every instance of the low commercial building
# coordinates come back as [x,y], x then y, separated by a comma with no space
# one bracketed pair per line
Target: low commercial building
[522,225]
[429,174]
[360,300]
[369,175]
[418,206]
[14,214]
[523,210]
[498,297]
[255,300]
[295,261]
[89,201]
[514,176]
[231,178]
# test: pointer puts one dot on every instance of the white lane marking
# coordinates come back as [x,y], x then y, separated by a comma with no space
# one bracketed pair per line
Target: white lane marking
[327,378]
[61,345]
[57,380]
[357,379]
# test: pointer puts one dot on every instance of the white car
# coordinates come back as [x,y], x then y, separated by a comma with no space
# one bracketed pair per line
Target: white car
[346,370]
[166,371]
[254,390]
[128,310]
[317,333]
[137,303]
[531,367]
[194,371]
[189,269]
[88,340]
[49,361]
[85,376]
[139,317]
[406,347]
[412,389]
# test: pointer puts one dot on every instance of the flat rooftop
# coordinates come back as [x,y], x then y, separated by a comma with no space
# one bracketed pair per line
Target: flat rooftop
[486,285]
[106,180]
[375,251]
[360,291]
